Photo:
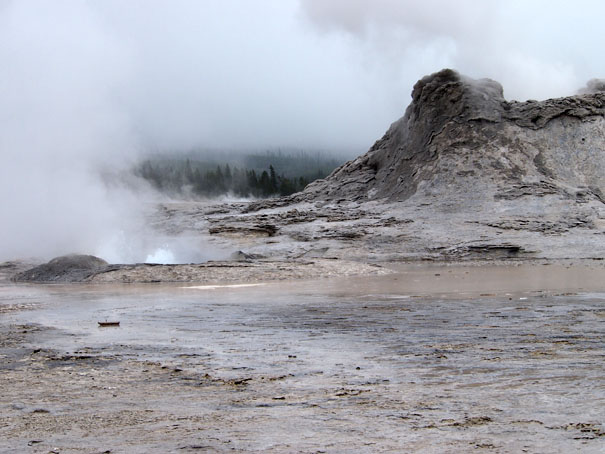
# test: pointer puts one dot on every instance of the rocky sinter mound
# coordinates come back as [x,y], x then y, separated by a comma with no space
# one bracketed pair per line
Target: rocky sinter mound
[67,268]
[460,139]
[464,173]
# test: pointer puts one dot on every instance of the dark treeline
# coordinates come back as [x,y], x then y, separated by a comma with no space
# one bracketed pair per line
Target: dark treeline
[283,174]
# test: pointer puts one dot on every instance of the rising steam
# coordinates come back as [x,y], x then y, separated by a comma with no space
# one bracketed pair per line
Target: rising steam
[537,49]
[61,126]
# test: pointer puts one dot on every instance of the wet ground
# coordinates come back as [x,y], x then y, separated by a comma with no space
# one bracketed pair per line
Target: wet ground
[352,365]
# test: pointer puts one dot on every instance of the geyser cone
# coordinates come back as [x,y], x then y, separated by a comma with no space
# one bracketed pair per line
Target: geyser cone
[460,139]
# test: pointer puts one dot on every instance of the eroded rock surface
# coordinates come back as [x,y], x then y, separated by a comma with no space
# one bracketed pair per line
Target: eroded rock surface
[458,133]
[67,268]
[465,167]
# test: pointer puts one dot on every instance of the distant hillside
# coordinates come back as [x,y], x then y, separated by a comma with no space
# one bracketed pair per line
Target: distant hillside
[211,173]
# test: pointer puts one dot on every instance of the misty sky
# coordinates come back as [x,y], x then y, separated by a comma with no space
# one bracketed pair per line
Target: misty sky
[88,84]
[319,73]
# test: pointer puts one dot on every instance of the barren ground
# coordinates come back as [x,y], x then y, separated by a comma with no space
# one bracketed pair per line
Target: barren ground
[430,358]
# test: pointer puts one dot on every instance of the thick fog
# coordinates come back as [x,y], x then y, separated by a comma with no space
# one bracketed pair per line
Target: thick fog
[61,124]
[88,86]
[537,49]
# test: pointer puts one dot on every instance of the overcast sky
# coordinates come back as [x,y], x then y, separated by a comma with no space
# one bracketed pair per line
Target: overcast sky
[86,83]
[320,73]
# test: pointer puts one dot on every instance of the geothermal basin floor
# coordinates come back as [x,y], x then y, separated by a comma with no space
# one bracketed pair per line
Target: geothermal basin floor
[436,359]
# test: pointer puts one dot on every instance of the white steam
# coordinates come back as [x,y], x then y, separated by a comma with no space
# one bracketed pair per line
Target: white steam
[536,49]
[60,127]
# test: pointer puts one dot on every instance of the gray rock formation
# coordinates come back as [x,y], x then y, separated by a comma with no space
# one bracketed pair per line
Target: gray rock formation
[458,134]
[68,268]
[463,174]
